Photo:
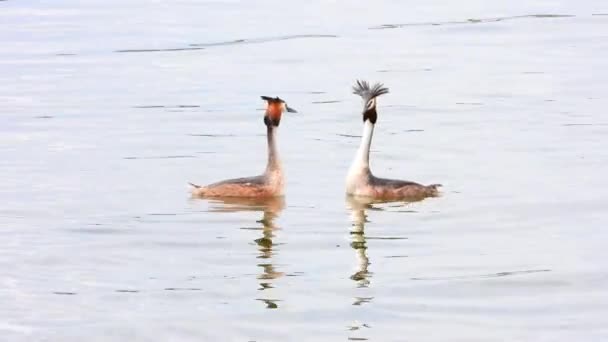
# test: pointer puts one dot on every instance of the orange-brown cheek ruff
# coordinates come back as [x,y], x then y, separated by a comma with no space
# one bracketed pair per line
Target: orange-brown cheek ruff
[273,113]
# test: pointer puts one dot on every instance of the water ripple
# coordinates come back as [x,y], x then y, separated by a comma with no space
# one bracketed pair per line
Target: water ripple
[386,238]
[264,40]
[159,50]
[160,157]
[490,275]
[584,124]
[324,102]
[182,289]
[163,106]
[202,46]
[471,21]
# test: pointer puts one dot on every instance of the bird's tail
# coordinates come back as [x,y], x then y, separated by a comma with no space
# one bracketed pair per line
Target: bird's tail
[434,189]
[195,186]
[197,190]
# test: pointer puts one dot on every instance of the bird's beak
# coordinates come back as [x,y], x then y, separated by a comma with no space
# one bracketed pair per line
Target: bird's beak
[289,109]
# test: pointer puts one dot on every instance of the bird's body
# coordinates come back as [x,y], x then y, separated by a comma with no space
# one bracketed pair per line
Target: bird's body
[267,185]
[262,186]
[360,181]
[390,189]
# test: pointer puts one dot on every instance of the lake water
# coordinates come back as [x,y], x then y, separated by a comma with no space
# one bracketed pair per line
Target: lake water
[109,108]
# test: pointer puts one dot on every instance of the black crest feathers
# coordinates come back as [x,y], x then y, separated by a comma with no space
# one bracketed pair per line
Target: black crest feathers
[363,89]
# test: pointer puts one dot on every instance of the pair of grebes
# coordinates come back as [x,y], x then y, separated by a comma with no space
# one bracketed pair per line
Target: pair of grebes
[360,181]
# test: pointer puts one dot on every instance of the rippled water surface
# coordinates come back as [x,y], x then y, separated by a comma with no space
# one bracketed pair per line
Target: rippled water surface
[109,108]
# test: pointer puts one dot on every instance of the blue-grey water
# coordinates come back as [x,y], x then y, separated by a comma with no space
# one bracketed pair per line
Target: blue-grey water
[108,109]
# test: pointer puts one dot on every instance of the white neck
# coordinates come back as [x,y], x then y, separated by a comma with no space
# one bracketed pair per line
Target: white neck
[361,162]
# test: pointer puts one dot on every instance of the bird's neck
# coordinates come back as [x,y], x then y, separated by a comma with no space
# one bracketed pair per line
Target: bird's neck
[361,161]
[274,162]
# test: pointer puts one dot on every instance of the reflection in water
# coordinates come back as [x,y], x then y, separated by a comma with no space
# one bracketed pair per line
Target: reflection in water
[358,243]
[358,207]
[271,209]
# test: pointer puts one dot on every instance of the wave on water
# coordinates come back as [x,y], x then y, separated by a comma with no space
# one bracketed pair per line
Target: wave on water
[471,21]
[202,46]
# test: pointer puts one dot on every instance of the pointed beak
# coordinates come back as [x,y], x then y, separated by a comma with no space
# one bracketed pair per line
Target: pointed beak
[289,109]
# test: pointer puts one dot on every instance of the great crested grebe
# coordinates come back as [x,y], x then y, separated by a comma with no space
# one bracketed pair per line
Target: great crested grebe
[268,184]
[360,181]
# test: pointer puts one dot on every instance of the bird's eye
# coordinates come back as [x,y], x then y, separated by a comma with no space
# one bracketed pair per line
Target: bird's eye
[370,104]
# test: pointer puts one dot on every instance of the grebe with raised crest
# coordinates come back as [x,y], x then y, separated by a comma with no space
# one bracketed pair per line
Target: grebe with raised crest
[360,181]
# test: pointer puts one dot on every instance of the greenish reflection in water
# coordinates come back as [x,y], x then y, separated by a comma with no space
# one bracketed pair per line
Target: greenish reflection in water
[270,209]
[358,216]
[358,207]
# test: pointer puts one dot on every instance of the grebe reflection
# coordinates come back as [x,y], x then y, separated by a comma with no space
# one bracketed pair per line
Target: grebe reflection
[358,207]
[358,216]
[270,208]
